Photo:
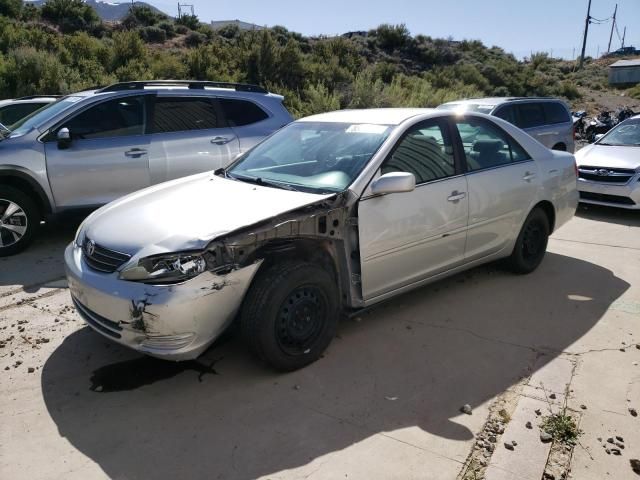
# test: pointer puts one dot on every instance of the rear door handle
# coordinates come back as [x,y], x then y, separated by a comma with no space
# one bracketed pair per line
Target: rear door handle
[456,196]
[220,140]
[528,176]
[135,152]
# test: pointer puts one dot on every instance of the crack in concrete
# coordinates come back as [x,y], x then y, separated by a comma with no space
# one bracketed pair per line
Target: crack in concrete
[594,243]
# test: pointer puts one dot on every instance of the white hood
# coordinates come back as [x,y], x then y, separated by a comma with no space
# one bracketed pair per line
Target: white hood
[609,156]
[187,213]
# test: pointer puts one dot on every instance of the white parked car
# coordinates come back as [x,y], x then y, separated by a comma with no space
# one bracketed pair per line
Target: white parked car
[331,214]
[609,169]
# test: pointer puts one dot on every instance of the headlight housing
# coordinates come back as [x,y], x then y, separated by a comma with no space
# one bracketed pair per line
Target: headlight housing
[166,269]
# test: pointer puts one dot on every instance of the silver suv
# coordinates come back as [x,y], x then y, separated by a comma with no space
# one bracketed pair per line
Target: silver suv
[90,148]
[548,120]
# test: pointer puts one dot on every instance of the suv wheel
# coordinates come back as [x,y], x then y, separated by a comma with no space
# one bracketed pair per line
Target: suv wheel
[19,220]
[531,244]
[561,147]
[290,314]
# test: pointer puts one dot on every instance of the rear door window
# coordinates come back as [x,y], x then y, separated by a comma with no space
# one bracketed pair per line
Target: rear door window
[508,113]
[179,114]
[121,117]
[556,113]
[486,145]
[531,115]
[242,112]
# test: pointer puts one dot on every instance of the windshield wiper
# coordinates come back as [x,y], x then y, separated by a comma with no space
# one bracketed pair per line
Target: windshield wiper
[262,182]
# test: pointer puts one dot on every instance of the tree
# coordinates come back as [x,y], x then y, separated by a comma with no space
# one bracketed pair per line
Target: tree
[11,8]
[127,47]
[70,15]
[291,70]
[189,21]
[142,16]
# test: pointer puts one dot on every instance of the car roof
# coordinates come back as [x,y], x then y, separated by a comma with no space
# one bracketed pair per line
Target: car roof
[376,116]
[494,101]
[29,100]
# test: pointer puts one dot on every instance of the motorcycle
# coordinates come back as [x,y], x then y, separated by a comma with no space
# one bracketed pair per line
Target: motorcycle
[599,125]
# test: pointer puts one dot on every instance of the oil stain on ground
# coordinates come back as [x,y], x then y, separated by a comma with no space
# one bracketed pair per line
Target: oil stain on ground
[132,374]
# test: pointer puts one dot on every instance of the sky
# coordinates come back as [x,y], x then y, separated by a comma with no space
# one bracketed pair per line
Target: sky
[518,26]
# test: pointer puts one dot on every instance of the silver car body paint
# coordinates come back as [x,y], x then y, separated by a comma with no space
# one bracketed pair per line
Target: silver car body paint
[238,222]
[609,175]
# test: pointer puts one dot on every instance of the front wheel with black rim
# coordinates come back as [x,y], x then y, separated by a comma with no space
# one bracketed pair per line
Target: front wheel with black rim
[19,220]
[290,314]
[531,244]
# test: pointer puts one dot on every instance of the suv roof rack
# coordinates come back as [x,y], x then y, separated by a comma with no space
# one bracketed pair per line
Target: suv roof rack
[33,97]
[511,99]
[192,84]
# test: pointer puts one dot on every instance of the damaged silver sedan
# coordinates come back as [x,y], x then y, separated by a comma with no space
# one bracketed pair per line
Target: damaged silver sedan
[331,214]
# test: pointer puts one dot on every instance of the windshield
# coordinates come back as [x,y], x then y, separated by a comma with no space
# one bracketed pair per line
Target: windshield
[316,157]
[625,134]
[467,107]
[42,115]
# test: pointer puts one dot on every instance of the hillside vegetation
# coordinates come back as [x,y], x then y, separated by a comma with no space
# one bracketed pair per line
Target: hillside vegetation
[64,47]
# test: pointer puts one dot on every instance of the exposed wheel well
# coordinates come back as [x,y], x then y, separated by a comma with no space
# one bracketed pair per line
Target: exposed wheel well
[560,147]
[304,250]
[24,185]
[547,208]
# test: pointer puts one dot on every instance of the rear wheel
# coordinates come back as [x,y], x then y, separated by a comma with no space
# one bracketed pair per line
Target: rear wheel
[560,147]
[531,244]
[19,220]
[290,314]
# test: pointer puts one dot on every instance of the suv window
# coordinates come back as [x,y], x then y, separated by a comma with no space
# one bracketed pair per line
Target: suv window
[425,151]
[531,115]
[556,113]
[10,114]
[508,113]
[242,112]
[486,145]
[120,117]
[179,114]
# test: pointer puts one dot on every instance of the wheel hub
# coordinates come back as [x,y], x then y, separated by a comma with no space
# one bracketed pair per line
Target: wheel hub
[300,320]
[13,223]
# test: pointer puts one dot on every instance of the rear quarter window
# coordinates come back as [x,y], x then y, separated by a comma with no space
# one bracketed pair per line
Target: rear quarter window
[242,112]
[556,113]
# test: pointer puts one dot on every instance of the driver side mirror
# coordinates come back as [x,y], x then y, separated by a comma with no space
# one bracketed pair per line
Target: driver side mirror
[394,182]
[64,138]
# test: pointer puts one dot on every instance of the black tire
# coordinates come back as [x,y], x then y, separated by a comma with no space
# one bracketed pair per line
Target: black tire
[28,217]
[531,244]
[290,314]
[560,147]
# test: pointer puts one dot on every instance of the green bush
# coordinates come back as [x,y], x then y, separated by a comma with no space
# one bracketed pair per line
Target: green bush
[153,34]
[142,16]
[11,8]
[194,39]
[127,47]
[70,15]
[190,21]
[168,27]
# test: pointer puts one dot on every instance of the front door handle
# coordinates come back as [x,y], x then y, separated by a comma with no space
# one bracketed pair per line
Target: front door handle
[135,152]
[528,176]
[456,196]
[220,140]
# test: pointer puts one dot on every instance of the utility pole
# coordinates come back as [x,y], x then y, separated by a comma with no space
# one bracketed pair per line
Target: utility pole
[624,34]
[613,25]
[586,31]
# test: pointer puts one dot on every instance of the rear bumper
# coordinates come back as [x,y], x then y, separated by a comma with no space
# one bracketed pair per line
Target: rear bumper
[174,322]
[611,195]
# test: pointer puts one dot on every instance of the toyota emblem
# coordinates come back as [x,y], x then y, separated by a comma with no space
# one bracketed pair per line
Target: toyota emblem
[602,172]
[90,247]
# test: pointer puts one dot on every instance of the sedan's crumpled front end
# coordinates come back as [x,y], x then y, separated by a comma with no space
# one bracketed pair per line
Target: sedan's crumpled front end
[172,322]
